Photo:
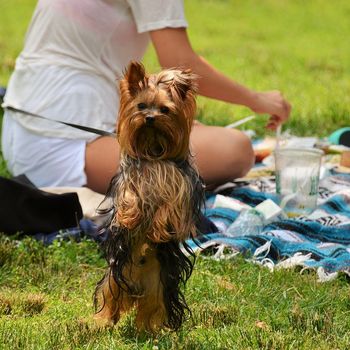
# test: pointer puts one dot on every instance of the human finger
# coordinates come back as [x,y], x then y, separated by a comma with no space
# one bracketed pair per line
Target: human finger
[271,126]
[272,123]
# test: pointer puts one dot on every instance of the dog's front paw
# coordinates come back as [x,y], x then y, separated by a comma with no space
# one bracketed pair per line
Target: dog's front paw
[103,321]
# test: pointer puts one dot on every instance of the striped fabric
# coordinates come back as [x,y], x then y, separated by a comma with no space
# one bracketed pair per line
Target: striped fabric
[320,240]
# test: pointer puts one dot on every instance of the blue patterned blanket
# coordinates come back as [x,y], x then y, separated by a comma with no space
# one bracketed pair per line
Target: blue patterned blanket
[320,241]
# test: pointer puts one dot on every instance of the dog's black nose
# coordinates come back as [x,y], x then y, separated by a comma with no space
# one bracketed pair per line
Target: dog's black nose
[150,119]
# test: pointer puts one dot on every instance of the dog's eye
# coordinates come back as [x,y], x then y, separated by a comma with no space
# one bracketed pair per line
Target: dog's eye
[142,261]
[141,106]
[164,110]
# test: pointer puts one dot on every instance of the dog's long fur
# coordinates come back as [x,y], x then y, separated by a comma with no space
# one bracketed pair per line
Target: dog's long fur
[157,196]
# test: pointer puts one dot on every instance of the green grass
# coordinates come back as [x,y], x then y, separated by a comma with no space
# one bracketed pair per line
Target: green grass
[299,47]
[46,303]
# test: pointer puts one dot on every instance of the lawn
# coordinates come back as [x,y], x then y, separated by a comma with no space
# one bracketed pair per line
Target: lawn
[299,47]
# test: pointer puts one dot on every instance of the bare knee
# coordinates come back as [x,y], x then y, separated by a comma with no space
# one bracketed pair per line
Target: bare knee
[242,156]
[221,154]
[237,156]
[101,163]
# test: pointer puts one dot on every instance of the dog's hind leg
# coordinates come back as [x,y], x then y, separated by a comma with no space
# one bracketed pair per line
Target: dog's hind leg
[151,312]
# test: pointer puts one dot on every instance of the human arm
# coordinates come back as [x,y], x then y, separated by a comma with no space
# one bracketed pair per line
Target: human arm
[174,49]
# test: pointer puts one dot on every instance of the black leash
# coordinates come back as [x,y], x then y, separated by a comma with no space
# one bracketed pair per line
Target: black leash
[77,126]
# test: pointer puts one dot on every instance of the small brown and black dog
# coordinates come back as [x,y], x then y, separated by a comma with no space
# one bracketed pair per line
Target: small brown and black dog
[157,197]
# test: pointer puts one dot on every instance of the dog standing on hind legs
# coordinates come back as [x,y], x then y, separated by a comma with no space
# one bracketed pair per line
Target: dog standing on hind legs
[157,197]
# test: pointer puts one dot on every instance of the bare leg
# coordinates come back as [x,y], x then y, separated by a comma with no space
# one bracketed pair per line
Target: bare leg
[101,162]
[221,154]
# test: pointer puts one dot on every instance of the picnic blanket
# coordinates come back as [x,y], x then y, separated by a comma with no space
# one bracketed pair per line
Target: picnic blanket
[320,241]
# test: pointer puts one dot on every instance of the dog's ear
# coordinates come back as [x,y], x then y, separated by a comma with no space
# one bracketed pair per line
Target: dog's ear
[185,83]
[136,77]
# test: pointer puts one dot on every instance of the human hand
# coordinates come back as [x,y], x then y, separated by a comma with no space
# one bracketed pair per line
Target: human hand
[273,103]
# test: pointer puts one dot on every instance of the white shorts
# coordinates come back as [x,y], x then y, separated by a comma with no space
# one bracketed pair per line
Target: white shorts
[46,161]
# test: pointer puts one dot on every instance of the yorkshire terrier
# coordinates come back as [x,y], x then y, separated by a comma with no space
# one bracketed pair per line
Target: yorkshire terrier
[157,197]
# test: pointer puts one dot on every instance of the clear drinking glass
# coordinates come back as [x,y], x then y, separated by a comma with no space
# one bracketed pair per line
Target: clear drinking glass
[297,179]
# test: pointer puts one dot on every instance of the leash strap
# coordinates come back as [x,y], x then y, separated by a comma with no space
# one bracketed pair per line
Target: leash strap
[76,126]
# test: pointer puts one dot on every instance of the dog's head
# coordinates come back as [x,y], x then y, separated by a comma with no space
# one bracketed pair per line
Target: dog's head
[156,113]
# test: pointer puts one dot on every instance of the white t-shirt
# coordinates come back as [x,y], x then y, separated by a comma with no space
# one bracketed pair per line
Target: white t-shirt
[74,53]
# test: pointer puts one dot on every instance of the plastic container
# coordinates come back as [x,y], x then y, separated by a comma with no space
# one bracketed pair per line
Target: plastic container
[341,137]
[249,222]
